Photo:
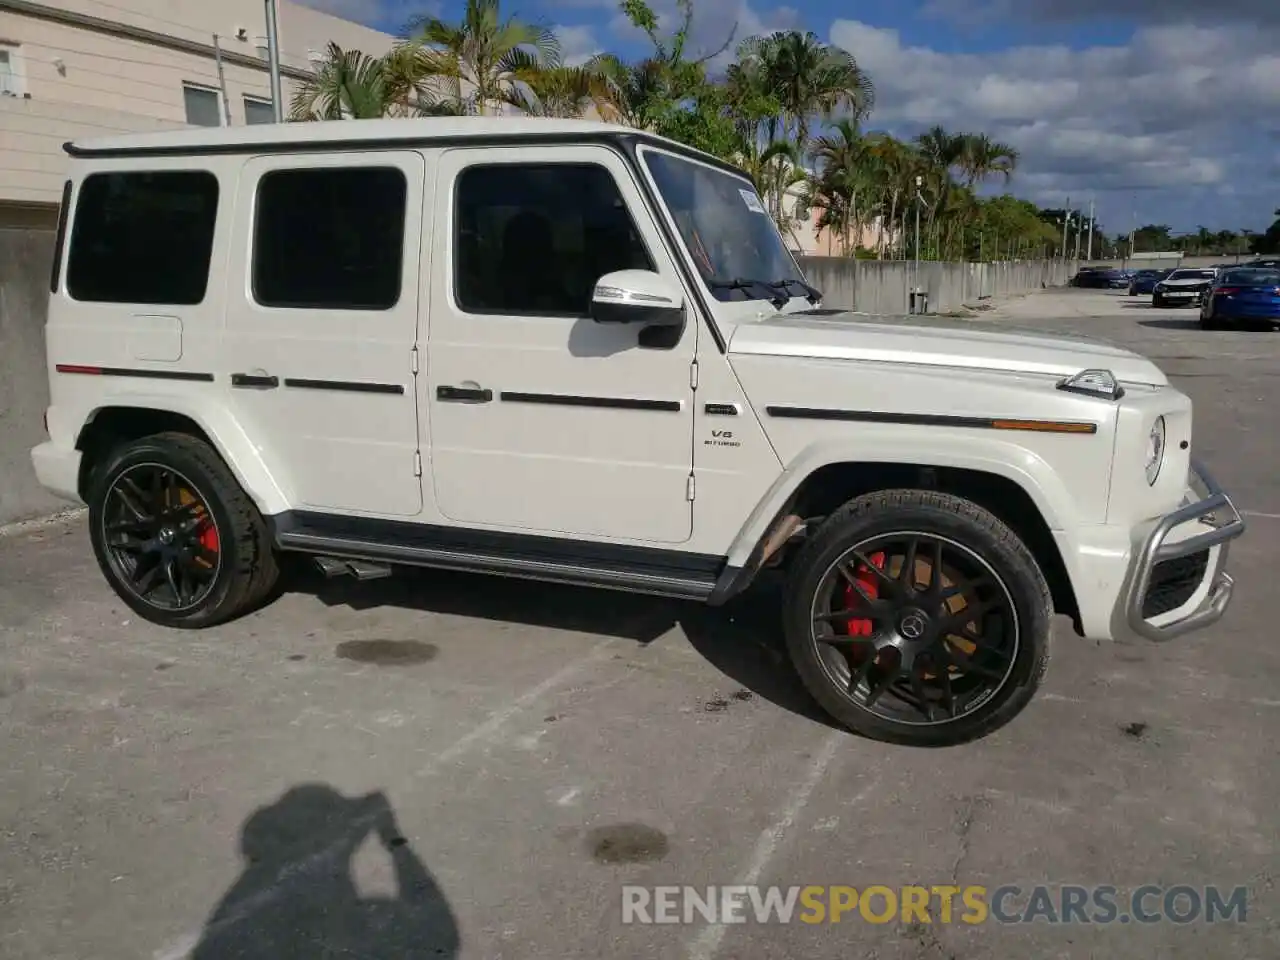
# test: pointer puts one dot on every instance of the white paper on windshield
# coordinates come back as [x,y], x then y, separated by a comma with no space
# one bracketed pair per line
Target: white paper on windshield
[752,201]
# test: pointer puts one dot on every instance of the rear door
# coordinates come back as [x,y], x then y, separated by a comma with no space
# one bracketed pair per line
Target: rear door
[322,312]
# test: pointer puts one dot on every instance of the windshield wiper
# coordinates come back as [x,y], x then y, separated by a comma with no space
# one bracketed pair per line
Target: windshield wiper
[781,288]
[812,294]
[744,283]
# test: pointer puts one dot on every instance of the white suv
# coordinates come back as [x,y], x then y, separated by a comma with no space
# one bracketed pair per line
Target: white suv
[581,353]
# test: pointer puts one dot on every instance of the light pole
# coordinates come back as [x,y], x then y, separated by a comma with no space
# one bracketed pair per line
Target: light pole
[273,58]
[1089,255]
[919,201]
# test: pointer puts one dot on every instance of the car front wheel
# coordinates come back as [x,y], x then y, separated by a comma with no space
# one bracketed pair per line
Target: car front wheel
[918,617]
[174,534]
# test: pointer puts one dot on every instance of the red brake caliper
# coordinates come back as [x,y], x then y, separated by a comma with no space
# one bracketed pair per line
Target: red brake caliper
[208,533]
[870,585]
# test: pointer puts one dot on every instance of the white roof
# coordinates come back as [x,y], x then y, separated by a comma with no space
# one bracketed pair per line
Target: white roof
[348,131]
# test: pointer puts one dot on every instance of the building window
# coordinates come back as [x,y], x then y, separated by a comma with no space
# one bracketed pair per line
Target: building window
[11,84]
[203,106]
[143,237]
[534,239]
[330,238]
[258,111]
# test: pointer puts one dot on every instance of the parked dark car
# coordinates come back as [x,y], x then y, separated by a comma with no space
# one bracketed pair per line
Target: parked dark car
[1100,278]
[1268,264]
[1244,295]
[1183,287]
[1144,281]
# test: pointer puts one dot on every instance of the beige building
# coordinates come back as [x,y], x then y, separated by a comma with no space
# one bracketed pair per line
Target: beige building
[83,68]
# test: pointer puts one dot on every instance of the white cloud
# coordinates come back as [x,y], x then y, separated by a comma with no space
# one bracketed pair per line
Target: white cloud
[1170,116]
[578,44]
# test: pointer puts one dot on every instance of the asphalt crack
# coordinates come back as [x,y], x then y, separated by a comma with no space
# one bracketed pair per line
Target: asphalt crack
[927,935]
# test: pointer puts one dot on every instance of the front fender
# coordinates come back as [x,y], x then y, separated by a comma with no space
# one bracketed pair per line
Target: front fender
[992,455]
[226,434]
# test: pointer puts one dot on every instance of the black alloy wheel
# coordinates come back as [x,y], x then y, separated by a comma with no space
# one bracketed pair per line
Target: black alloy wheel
[176,537]
[161,538]
[915,627]
[918,617]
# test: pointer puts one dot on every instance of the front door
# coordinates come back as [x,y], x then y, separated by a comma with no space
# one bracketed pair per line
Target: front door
[322,312]
[540,418]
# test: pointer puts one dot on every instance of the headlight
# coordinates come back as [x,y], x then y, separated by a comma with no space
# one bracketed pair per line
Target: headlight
[1155,451]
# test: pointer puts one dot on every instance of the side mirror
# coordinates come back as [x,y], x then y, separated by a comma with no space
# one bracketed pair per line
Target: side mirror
[637,296]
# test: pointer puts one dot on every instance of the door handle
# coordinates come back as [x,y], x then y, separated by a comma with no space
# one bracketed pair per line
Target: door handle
[254,380]
[464,394]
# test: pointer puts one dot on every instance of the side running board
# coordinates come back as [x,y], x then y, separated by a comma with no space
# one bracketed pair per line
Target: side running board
[368,548]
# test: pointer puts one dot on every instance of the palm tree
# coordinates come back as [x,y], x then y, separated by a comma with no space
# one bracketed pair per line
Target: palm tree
[638,90]
[808,77]
[981,157]
[484,57]
[843,156]
[350,84]
[567,92]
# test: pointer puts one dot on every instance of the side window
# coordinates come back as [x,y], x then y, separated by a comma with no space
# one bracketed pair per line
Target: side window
[330,238]
[534,239]
[143,237]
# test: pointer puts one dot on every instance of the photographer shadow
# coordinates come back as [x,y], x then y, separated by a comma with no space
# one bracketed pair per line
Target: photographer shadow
[297,897]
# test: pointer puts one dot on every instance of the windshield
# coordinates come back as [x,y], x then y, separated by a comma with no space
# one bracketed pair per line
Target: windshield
[1192,275]
[725,227]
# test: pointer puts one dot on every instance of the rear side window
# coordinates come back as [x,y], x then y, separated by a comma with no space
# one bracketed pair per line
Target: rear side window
[143,237]
[330,238]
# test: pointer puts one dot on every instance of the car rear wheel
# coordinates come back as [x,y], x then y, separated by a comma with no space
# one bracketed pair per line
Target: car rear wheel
[174,534]
[918,617]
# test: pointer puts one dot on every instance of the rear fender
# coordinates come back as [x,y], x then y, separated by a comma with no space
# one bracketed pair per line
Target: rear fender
[227,435]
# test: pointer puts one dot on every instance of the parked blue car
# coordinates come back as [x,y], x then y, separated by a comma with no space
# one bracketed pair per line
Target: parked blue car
[1245,296]
[1144,281]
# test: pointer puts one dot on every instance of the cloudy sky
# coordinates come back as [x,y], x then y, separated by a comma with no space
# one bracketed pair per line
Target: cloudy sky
[1163,111]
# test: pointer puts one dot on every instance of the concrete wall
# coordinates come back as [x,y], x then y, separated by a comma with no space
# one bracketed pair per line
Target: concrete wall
[25,260]
[884,286]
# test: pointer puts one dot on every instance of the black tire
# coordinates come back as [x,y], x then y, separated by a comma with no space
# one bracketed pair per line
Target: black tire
[1157,300]
[977,533]
[245,570]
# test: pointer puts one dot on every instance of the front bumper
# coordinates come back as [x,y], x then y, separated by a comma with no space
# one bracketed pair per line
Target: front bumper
[1178,580]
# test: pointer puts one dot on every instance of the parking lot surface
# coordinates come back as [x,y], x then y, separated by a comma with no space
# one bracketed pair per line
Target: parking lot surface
[439,765]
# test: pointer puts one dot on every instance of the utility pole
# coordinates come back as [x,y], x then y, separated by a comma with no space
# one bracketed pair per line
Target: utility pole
[1089,254]
[273,56]
[222,80]
[1066,221]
